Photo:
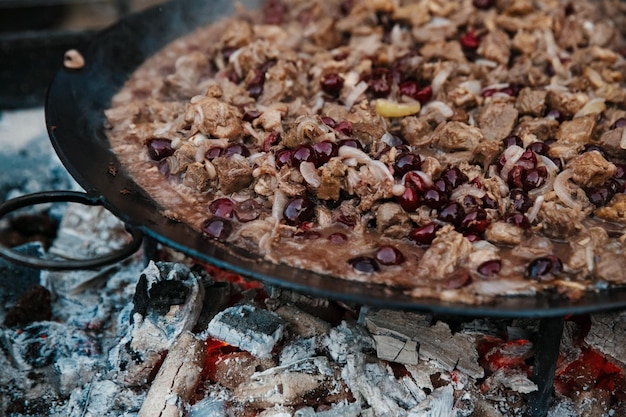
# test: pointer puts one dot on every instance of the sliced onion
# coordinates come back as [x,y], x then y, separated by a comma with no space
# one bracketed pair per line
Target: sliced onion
[398,190]
[279,203]
[424,176]
[440,79]
[234,59]
[347,152]
[467,189]
[534,210]
[561,188]
[359,89]
[471,86]
[593,106]
[512,154]
[310,175]
[439,106]
[486,63]
[380,170]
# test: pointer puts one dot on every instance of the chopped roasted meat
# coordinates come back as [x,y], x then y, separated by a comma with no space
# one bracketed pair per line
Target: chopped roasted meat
[457,136]
[234,173]
[532,102]
[591,169]
[497,119]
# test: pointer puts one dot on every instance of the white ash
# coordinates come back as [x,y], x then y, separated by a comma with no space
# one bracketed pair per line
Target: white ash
[297,350]
[249,328]
[347,339]
[608,335]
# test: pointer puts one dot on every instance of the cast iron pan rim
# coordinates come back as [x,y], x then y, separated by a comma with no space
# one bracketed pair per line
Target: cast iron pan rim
[79,141]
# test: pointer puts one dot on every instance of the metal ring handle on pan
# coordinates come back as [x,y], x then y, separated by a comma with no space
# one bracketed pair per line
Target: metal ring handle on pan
[64,264]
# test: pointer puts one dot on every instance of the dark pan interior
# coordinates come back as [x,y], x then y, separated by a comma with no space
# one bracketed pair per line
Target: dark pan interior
[75,120]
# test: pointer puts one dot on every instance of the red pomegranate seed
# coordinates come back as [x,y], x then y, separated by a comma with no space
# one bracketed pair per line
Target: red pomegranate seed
[236,149]
[424,235]
[298,210]
[469,40]
[528,160]
[408,88]
[453,213]
[283,158]
[159,148]
[424,94]
[325,150]
[250,115]
[490,268]
[539,148]
[599,196]
[364,264]
[454,176]
[517,219]
[413,180]
[543,266]
[475,221]
[512,140]
[443,186]
[534,178]
[217,228]
[489,203]
[248,210]
[353,143]
[620,172]
[409,200]
[222,207]
[303,153]
[514,179]
[337,238]
[270,140]
[483,4]
[521,201]
[332,84]
[329,121]
[405,163]
[213,153]
[388,255]
[435,198]
[344,127]
[621,122]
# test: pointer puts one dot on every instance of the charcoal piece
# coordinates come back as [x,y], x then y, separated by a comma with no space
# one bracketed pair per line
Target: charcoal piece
[607,335]
[249,328]
[33,305]
[16,279]
[347,339]
[164,294]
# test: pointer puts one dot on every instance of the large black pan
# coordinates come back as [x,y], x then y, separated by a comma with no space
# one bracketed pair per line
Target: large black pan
[74,116]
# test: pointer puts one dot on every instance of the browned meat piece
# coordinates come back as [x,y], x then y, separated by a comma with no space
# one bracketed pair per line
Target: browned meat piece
[496,46]
[543,128]
[591,169]
[214,118]
[457,136]
[326,36]
[393,221]
[284,82]
[416,130]
[572,34]
[611,265]
[234,173]
[451,51]
[487,152]
[525,42]
[367,133]
[181,158]
[238,33]
[559,221]
[613,142]
[515,7]
[497,119]
[577,131]
[197,177]
[447,252]
[185,82]
[504,233]
[567,103]
[615,211]
[584,246]
[332,174]
[530,101]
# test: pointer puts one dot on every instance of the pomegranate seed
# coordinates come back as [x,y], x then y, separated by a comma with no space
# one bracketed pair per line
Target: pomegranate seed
[472,237]
[521,201]
[329,121]
[344,127]
[424,235]
[232,77]
[324,151]
[236,149]
[490,268]
[250,115]
[621,122]
[512,90]
[528,160]
[554,114]
[409,200]
[471,202]
[283,158]
[457,280]
[599,196]
[353,143]
[558,162]
[512,140]
[303,153]
[160,148]
[435,198]
[270,140]
[483,4]
[443,186]
[589,147]
[227,52]
[388,255]
[475,221]
[534,178]
[405,163]
[488,92]
[395,141]
[620,172]
[332,84]
[348,220]
[298,210]
[469,40]
[489,203]
[539,148]
[514,179]
[413,180]
[222,207]
[217,228]
[453,213]
[379,87]
[517,219]
[613,186]
[337,238]
[248,210]
[364,264]
[408,88]
[424,94]
[274,12]
[255,86]
[454,177]
[213,153]
[543,266]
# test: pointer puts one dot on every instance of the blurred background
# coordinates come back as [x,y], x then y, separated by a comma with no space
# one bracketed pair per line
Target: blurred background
[34,34]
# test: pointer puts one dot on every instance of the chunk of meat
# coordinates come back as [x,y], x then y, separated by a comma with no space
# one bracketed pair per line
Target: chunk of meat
[185,81]
[238,33]
[284,82]
[496,46]
[457,136]
[559,221]
[197,177]
[566,102]
[416,130]
[234,173]
[392,221]
[487,152]
[577,131]
[332,174]
[504,233]
[497,120]
[367,133]
[446,253]
[591,169]
[543,128]
[613,142]
[214,118]
[531,101]
[450,51]
[611,265]
[583,249]
[182,157]
[615,211]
